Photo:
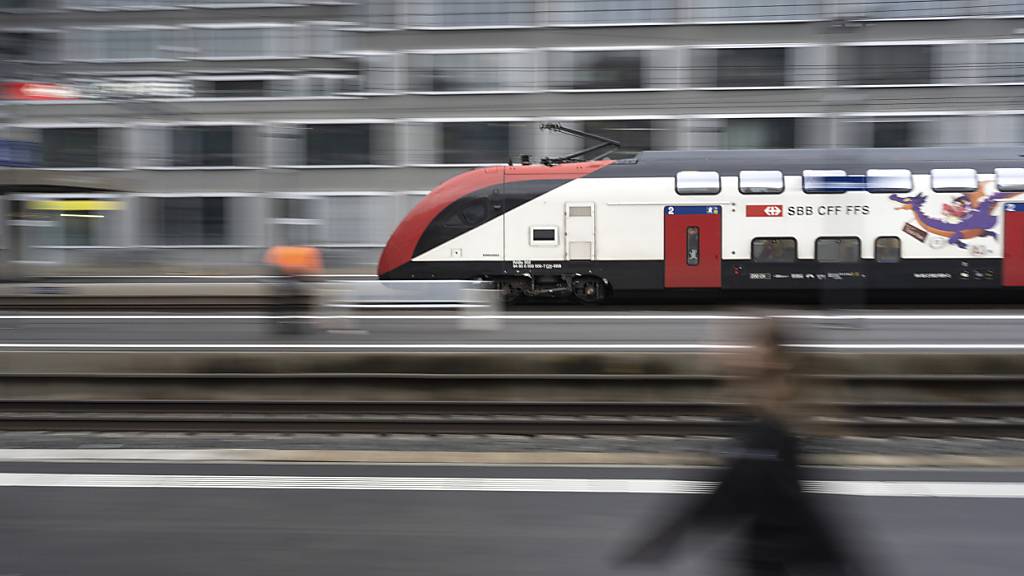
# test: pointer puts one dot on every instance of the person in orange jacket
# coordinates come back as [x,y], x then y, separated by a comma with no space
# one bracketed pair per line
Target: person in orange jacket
[293,265]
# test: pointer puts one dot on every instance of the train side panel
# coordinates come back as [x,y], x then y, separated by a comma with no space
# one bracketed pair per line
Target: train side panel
[934,239]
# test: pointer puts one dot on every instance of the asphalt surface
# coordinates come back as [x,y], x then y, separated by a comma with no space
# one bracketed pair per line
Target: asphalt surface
[989,330]
[341,521]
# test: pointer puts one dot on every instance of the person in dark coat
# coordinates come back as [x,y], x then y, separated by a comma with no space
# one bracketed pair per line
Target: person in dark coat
[759,489]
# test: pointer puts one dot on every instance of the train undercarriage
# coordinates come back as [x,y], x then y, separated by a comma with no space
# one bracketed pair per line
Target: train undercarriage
[584,288]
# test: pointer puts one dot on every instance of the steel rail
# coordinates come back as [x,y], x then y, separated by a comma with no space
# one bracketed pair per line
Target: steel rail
[518,418]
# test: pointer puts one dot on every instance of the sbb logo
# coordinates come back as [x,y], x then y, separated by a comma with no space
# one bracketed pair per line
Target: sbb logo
[769,210]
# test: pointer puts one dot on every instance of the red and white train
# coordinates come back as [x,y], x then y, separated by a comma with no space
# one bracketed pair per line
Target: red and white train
[725,220]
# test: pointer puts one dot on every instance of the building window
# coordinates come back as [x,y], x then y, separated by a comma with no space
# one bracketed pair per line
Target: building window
[43,222]
[135,43]
[233,88]
[737,67]
[479,13]
[359,220]
[76,148]
[597,69]
[338,144]
[887,250]
[205,146]
[842,250]
[326,38]
[773,250]
[891,134]
[237,42]
[635,136]
[458,72]
[332,84]
[475,143]
[882,9]
[296,221]
[190,220]
[717,10]
[20,46]
[16,5]
[568,12]
[900,64]
[1006,62]
[759,133]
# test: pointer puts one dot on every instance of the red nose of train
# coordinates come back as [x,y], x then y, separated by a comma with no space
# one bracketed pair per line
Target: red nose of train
[402,244]
[401,247]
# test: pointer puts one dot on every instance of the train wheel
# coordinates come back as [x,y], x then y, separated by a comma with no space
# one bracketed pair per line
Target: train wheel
[511,290]
[589,289]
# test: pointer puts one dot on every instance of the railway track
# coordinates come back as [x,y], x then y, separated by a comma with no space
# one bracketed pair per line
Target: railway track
[479,418]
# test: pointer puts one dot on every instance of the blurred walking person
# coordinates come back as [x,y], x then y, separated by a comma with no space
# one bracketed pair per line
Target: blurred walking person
[293,267]
[782,531]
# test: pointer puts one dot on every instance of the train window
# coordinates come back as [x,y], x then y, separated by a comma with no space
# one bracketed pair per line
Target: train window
[543,235]
[580,211]
[1010,179]
[692,246]
[954,180]
[887,250]
[761,182]
[890,181]
[819,181]
[773,250]
[696,182]
[837,250]
[475,212]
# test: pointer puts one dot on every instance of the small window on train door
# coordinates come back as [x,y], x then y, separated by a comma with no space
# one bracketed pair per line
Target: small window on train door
[889,181]
[1010,179]
[823,181]
[761,182]
[543,236]
[696,182]
[692,246]
[845,250]
[954,180]
[887,250]
[773,250]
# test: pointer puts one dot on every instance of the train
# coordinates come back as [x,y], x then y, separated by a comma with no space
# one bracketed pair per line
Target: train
[724,221]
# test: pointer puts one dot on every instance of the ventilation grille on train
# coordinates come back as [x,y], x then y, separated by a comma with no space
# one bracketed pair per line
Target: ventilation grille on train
[581,250]
[580,211]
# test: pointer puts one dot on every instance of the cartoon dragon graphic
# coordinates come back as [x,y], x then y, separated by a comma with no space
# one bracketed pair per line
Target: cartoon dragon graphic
[975,210]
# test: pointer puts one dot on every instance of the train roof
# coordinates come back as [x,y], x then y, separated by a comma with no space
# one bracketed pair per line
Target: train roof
[793,161]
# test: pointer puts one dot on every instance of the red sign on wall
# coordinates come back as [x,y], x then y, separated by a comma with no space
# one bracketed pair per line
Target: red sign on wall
[765,210]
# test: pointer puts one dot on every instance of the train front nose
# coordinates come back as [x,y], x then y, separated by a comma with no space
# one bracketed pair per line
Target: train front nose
[401,247]
[391,258]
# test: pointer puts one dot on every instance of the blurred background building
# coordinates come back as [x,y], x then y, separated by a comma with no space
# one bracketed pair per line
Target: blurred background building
[201,131]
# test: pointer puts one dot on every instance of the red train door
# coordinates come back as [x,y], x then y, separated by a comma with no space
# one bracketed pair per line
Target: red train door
[1013,245]
[693,247]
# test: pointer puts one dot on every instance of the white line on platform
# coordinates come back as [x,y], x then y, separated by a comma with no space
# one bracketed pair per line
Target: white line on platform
[912,346]
[381,346]
[896,489]
[578,317]
[368,316]
[541,346]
